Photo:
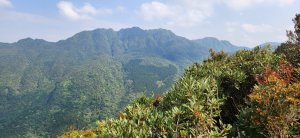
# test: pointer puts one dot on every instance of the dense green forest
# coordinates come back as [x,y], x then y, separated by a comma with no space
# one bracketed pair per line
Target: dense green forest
[46,87]
[250,93]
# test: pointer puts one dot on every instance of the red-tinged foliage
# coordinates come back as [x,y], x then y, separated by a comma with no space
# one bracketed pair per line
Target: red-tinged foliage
[285,73]
[275,103]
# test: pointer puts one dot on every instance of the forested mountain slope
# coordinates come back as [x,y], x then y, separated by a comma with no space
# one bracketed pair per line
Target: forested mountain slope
[48,86]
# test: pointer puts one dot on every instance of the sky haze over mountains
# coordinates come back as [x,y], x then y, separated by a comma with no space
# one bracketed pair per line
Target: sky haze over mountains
[242,22]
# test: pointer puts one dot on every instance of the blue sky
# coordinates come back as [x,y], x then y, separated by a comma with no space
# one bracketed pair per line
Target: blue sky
[242,22]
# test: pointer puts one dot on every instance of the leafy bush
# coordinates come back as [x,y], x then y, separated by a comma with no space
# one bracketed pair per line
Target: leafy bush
[194,115]
[291,52]
[273,105]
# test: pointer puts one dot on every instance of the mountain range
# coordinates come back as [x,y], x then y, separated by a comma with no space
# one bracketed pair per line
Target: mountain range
[46,87]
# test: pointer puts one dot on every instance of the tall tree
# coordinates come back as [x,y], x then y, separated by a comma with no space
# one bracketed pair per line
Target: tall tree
[296,21]
[291,48]
[294,36]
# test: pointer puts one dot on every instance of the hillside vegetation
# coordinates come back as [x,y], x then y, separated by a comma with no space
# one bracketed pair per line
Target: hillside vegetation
[251,93]
[45,87]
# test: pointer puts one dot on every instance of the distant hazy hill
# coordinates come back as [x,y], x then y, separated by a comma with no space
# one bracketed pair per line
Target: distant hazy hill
[218,45]
[271,45]
[48,86]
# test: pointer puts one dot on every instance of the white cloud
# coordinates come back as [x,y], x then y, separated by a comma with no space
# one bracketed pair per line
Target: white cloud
[5,3]
[155,10]
[88,9]
[239,4]
[285,2]
[187,13]
[179,13]
[244,4]
[68,10]
[231,26]
[257,28]
[193,12]
[120,9]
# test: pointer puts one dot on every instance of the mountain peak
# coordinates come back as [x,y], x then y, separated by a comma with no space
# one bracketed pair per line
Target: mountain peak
[132,30]
[216,44]
[25,40]
[210,38]
[214,39]
[270,45]
[30,41]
